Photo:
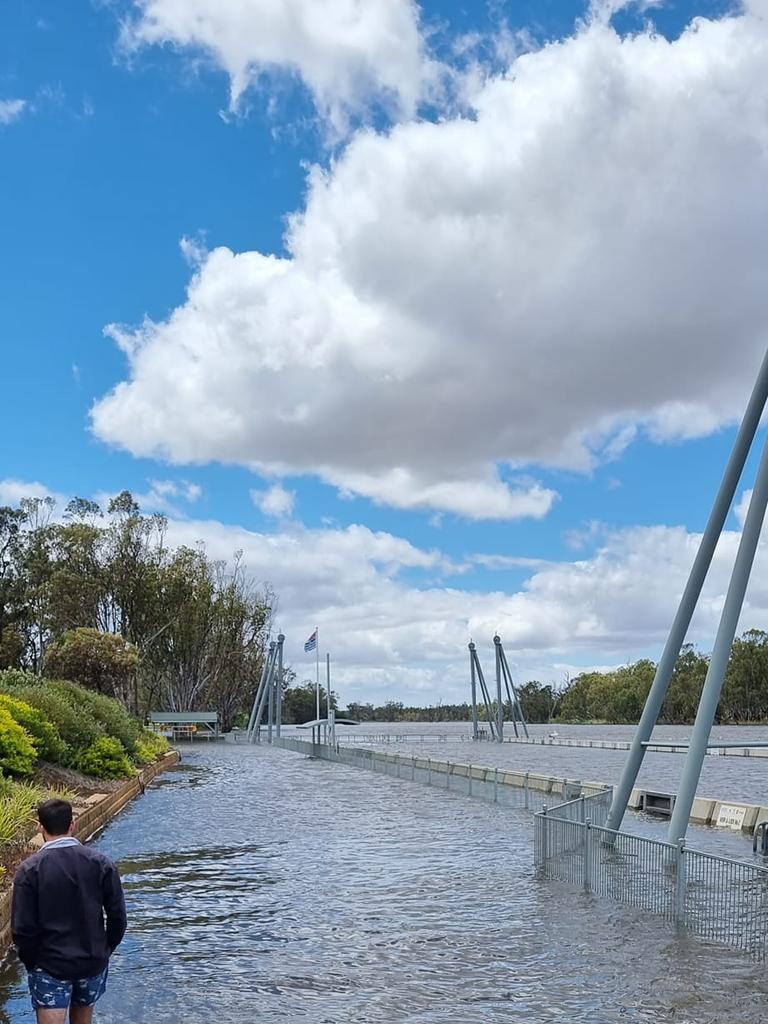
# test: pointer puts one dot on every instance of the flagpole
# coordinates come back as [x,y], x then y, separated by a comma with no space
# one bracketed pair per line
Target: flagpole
[317,665]
[328,684]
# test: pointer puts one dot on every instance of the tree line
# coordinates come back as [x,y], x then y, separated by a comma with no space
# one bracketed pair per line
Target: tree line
[102,598]
[619,695]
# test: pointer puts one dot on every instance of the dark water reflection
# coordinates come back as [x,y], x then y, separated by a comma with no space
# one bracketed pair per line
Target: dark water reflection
[266,887]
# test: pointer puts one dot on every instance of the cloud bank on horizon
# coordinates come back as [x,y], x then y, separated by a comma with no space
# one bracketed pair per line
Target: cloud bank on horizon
[577,257]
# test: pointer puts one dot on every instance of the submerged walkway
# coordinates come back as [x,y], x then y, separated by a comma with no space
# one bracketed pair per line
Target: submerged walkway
[266,886]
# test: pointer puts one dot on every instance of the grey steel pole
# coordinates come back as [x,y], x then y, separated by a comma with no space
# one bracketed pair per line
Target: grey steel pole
[510,682]
[261,696]
[328,684]
[713,684]
[279,686]
[473,679]
[265,690]
[499,701]
[688,601]
[511,702]
[257,696]
[486,695]
[271,701]
[317,677]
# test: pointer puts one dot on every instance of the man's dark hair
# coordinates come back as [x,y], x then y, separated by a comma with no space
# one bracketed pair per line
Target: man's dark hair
[55,816]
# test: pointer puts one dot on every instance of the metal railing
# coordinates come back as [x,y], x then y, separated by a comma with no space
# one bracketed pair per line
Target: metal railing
[592,806]
[715,898]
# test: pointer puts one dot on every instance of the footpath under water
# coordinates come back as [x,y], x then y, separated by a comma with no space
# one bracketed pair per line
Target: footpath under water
[264,886]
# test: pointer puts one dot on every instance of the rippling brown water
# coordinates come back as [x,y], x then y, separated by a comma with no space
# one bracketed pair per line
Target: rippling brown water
[266,887]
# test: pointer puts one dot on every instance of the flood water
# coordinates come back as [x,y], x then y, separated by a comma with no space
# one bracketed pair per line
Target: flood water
[267,887]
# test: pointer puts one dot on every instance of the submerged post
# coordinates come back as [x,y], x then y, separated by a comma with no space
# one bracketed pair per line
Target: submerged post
[587,854]
[713,683]
[688,601]
[680,881]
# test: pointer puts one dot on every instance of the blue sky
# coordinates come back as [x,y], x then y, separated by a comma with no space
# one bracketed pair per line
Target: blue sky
[596,433]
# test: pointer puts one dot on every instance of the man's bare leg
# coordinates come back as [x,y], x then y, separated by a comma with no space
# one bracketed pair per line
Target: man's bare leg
[81,1014]
[51,1016]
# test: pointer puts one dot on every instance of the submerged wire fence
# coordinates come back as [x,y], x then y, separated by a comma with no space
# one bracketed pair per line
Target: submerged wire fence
[715,898]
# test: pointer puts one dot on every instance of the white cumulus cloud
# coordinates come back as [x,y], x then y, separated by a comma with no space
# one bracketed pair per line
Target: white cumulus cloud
[275,501]
[580,259]
[11,110]
[348,53]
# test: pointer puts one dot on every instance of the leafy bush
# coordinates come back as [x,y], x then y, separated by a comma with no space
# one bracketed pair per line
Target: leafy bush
[13,678]
[150,746]
[109,713]
[17,751]
[104,662]
[45,736]
[106,759]
[77,728]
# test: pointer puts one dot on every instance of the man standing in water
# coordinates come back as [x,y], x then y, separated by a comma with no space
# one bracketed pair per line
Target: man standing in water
[68,918]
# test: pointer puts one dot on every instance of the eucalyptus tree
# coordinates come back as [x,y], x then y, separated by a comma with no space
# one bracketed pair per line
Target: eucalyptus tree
[12,585]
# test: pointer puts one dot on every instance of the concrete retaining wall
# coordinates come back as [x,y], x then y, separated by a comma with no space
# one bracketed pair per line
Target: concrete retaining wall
[102,808]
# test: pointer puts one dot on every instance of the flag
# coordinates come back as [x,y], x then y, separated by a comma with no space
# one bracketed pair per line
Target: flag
[311,644]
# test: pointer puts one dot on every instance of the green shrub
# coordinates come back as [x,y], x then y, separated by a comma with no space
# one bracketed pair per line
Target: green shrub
[150,746]
[109,713]
[106,759]
[13,678]
[77,728]
[45,736]
[17,751]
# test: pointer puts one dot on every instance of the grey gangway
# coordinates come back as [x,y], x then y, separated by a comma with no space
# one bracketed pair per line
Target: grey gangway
[504,683]
[713,684]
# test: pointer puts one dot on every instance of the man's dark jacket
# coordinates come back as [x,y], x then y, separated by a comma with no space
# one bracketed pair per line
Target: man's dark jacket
[68,911]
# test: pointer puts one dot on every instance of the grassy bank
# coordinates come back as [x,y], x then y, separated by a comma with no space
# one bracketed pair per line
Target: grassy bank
[60,739]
